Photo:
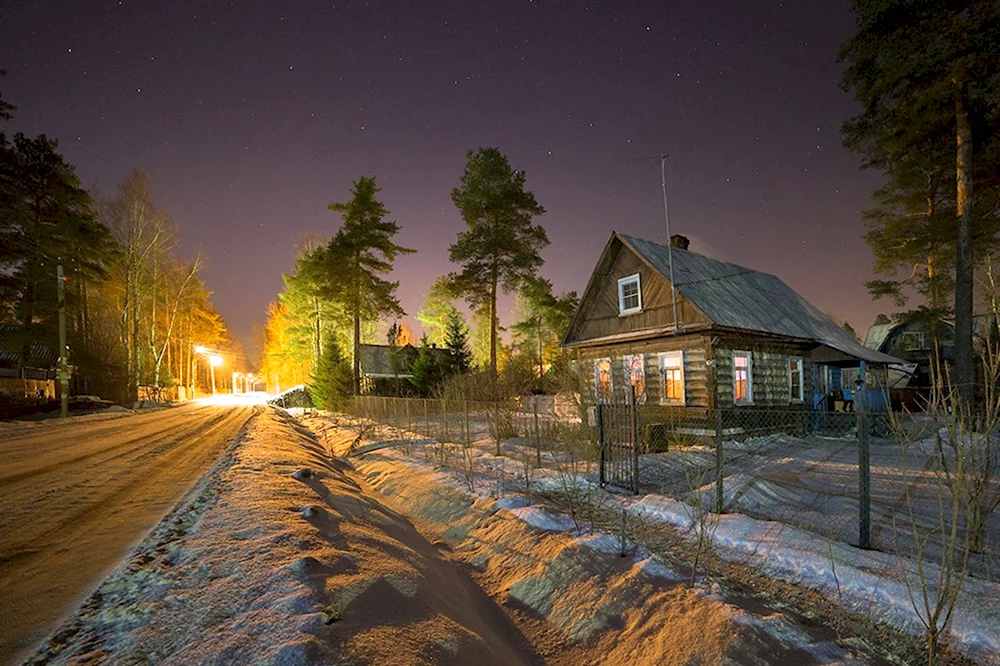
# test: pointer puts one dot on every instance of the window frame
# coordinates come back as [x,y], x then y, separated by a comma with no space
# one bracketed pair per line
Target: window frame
[622,310]
[798,360]
[640,394]
[749,357]
[597,378]
[664,400]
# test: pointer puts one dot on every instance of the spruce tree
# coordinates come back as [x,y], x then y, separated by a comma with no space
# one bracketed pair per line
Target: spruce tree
[331,385]
[426,372]
[458,355]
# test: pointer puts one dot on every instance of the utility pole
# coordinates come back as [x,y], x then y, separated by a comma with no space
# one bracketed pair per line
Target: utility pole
[63,347]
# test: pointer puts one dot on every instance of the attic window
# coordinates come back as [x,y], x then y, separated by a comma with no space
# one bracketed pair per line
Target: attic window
[629,295]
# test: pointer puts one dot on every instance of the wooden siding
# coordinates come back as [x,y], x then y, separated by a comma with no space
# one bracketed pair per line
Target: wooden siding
[599,315]
[695,372]
[769,372]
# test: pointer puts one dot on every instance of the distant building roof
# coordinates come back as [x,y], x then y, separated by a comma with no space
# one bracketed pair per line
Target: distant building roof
[737,297]
[377,360]
[40,355]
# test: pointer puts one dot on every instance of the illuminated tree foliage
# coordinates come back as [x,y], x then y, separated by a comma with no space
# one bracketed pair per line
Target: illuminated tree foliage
[501,248]
[437,310]
[543,320]
[925,72]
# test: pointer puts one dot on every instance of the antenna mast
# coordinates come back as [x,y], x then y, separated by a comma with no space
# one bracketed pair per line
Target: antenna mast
[670,242]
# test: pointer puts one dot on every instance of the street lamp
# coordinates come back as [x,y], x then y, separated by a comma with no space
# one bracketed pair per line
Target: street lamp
[213,358]
[213,361]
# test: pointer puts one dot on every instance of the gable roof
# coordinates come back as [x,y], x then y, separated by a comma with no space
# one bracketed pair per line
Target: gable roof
[741,298]
[377,360]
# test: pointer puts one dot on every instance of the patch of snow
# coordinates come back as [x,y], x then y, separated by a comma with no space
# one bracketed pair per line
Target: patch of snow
[539,517]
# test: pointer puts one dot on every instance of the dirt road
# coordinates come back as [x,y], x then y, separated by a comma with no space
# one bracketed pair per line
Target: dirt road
[76,494]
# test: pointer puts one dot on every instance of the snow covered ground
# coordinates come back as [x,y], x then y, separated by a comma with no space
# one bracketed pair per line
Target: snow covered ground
[635,608]
[283,554]
[798,483]
[265,562]
[77,493]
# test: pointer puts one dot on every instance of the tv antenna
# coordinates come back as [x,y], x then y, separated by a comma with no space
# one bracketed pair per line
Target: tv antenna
[670,240]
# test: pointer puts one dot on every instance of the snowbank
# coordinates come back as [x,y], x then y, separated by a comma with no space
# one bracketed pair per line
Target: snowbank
[606,608]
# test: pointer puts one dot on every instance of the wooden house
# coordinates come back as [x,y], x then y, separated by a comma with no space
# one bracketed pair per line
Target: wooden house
[742,340]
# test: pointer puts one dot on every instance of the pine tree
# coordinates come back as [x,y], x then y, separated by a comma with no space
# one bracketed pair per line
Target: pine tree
[501,248]
[331,385]
[925,73]
[46,218]
[358,258]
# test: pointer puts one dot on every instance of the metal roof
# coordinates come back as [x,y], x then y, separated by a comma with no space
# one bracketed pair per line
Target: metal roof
[877,334]
[738,297]
[40,355]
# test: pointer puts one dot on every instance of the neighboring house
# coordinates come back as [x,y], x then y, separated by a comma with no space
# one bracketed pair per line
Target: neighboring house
[912,341]
[743,339]
[385,368]
[40,363]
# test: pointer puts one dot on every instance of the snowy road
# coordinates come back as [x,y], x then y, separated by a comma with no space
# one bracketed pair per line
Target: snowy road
[74,495]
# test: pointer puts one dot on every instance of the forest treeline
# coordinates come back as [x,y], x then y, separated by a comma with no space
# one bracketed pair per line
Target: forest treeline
[135,308]
[339,296]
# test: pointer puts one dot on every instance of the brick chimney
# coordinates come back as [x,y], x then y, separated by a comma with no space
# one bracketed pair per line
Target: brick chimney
[680,242]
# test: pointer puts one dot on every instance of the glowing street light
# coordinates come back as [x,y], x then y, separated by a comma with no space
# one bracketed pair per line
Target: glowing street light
[213,361]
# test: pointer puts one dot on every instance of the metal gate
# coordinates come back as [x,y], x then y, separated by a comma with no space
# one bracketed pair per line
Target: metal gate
[617,432]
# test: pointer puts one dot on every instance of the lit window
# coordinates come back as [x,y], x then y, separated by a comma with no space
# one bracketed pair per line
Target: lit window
[602,377]
[742,377]
[795,379]
[629,295]
[672,370]
[635,371]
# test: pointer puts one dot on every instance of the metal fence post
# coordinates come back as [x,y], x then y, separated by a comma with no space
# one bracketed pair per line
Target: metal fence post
[427,422]
[720,460]
[601,444]
[538,436]
[864,463]
[634,437]
[465,408]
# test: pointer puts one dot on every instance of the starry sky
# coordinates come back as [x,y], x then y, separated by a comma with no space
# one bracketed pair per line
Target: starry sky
[251,116]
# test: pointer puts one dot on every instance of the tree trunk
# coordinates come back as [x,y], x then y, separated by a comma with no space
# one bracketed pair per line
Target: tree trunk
[493,321]
[356,369]
[964,376]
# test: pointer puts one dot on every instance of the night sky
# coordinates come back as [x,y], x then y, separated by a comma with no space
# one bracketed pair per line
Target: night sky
[250,117]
